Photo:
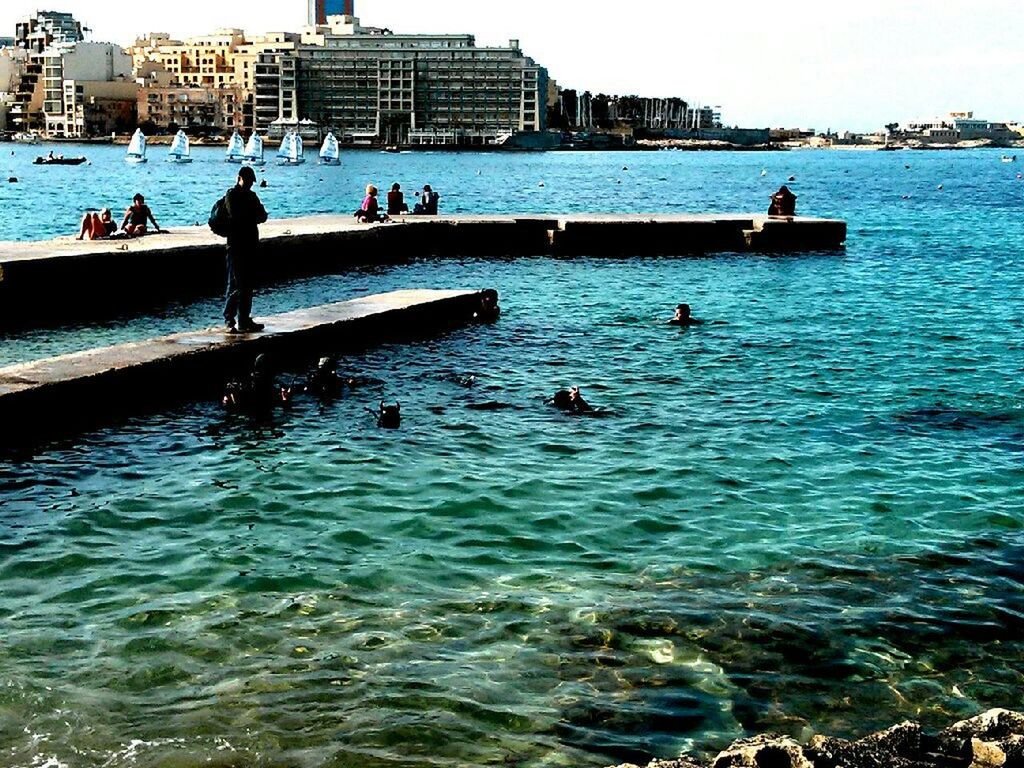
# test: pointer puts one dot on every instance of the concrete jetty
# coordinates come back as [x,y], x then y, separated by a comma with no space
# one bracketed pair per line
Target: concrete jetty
[61,279]
[76,389]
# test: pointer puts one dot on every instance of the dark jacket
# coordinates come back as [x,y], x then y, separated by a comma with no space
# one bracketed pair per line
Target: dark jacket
[246,213]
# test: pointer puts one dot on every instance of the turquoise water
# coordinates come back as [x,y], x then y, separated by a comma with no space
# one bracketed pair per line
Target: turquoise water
[805,516]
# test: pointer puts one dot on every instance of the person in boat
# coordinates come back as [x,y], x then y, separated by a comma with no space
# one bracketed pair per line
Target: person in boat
[783,203]
[258,392]
[244,212]
[429,200]
[137,217]
[97,226]
[683,319]
[396,201]
[570,401]
[370,213]
[49,156]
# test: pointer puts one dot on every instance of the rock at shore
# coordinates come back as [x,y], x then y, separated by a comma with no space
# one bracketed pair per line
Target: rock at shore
[992,740]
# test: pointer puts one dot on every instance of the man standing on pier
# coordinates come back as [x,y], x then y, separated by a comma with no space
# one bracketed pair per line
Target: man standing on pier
[242,213]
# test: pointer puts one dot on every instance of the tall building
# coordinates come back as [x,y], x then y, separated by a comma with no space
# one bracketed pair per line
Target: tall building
[319,10]
[35,35]
[371,86]
[88,89]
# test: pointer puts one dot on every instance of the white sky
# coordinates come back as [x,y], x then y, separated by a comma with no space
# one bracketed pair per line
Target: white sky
[818,64]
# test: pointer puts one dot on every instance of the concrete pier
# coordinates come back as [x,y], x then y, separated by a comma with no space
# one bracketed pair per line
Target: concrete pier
[77,389]
[61,279]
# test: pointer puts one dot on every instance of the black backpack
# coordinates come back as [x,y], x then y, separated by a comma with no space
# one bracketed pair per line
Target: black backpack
[220,219]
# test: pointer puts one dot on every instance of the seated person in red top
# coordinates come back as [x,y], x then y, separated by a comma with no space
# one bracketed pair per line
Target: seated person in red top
[783,203]
[396,201]
[370,212]
[97,226]
[137,217]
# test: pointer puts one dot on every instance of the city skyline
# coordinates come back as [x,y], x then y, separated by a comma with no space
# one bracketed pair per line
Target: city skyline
[807,68]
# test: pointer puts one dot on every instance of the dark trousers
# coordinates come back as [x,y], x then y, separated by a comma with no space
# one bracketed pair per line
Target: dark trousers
[238,299]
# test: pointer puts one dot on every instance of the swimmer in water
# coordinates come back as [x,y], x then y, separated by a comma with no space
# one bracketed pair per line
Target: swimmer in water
[683,319]
[389,416]
[324,380]
[258,393]
[570,401]
[489,311]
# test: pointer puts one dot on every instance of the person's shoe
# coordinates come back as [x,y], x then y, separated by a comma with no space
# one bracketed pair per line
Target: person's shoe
[229,327]
[250,327]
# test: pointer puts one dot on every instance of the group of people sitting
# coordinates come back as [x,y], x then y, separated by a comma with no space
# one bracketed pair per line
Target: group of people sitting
[101,226]
[370,211]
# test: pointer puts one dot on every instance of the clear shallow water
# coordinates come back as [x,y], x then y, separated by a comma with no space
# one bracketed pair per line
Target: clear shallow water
[805,515]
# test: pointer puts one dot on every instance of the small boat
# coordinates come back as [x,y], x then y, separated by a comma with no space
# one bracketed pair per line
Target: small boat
[179,151]
[290,152]
[137,148]
[392,150]
[330,152]
[27,137]
[59,160]
[253,154]
[1009,158]
[236,149]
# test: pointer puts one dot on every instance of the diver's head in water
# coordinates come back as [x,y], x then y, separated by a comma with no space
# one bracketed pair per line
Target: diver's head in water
[390,416]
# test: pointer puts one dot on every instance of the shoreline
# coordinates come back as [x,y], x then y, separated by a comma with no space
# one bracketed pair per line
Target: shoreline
[989,740]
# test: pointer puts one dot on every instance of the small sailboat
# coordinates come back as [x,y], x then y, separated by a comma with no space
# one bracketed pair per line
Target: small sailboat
[180,149]
[290,152]
[330,152]
[236,149]
[253,154]
[137,148]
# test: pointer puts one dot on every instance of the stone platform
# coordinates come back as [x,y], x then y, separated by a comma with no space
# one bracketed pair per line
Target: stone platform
[91,386]
[56,280]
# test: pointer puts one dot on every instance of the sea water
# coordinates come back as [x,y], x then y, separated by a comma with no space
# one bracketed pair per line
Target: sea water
[803,516]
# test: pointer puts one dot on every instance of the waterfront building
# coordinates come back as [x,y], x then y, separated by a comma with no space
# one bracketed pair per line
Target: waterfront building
[224,64]
[88,89]
[34,35]
[956,127]
[370,85]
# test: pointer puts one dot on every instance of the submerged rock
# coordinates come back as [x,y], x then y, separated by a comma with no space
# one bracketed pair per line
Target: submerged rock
[992,740]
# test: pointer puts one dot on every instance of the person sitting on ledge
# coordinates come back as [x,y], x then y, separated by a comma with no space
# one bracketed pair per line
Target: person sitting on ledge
[396,201]
[429,200]
[683,319]
[137,217]
[370,213]
[783,203]
[97,226]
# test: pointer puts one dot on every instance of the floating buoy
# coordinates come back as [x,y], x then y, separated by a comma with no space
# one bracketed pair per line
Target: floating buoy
[541,184]
[625,167]
[764,172]
[12,180]
[792,178]
[939,187]
[907,167]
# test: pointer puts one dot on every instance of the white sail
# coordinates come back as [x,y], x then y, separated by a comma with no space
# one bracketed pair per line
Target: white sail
[180,145]
[254,149]
[330,152]
[296,151]
[236,148]
[137,148]
[285,150]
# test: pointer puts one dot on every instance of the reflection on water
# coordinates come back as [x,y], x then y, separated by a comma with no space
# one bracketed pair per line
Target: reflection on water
[803,516]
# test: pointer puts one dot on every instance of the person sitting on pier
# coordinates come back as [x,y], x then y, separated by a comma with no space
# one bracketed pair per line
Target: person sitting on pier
[258,393]
[683,319]
[783,203]
[97,226]
[137,217]
[396,201]
[370,213]
[429,200]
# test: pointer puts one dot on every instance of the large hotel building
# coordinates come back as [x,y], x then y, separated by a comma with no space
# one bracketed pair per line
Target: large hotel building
[370,85]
